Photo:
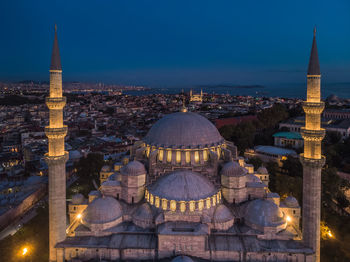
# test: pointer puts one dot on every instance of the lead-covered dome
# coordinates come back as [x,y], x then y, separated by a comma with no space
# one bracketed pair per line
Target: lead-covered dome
[102,210]
[183,130]
[183,185]
[262,213]
[233,169]
[133,168]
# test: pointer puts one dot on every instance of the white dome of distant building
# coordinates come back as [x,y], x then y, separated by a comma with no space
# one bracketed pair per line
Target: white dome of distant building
[133,168]
[183,185]
[102,210]
[182,259]
[262,213]
[183,130]
[233,169]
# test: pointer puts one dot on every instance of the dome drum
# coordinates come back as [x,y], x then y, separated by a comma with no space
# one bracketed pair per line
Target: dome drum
[184,156]
[183,206]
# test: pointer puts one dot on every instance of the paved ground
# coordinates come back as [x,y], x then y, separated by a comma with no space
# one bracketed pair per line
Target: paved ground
[19,222]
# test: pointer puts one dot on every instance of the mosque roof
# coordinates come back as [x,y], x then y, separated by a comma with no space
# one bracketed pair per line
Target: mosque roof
[233,169]
[55,57]
[264,213]
[222,214]
[314,64]
[143,212]
[78,199]
[291,202]
[183,130]
[133,168]
[183,185]
[102,210]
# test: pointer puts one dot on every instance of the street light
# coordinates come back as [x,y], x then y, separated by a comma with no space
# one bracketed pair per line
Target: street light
[24,251]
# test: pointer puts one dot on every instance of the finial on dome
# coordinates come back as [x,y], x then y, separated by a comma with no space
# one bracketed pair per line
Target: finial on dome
[314,31]
[184,108]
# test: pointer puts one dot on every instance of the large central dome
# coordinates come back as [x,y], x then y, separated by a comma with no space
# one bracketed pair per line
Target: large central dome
[183,130]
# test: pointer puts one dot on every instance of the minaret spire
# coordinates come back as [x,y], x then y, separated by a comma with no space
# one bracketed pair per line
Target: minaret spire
[312,159]
[56,157]
[314,65]
[55,57]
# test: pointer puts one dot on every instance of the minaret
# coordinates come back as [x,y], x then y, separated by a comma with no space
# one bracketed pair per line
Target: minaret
[56,157]
[312,159]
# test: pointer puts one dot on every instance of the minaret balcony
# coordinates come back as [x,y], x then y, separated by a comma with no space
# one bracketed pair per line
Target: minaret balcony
[57,160]
[312,135]
[313,107]
[56,132]
[311,162]
[56,102]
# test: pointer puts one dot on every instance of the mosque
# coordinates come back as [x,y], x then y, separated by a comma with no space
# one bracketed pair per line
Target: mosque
[183,194]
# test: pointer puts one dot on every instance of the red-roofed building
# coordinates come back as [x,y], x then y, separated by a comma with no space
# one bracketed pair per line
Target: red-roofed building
[234,120]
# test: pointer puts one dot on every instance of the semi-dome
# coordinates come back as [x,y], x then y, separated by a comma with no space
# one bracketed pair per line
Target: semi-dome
[264,213]
[102,210]
[233,169]
[133,168]
[182,259]
[183,130]
[183,185]
[291,202]
[222,214]
[143,212]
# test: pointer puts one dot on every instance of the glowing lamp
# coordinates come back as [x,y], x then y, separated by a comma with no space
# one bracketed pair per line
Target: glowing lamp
[289,219]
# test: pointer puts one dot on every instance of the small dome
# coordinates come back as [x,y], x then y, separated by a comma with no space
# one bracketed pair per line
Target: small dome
[291,202]
[222,214]
[233,169]
[183,130]
[264,213]
[77,199]
[133,168]
[183,185]
[143,213]
[102,210]
[106,168]
[262,170]
[182,259]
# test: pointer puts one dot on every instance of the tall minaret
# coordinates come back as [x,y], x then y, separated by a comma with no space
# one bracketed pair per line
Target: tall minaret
[56,157]
[312,159]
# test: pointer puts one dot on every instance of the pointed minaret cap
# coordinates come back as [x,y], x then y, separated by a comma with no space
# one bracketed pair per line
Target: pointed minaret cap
[314,65]
[55,57]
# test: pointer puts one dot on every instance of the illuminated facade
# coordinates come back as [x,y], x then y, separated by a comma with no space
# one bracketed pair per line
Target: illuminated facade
[56,157]
[312,159]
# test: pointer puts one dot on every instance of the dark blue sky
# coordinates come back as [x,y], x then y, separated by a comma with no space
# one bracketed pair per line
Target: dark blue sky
[175,42]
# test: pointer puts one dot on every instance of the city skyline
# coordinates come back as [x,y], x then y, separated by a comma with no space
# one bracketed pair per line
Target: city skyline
[163,44]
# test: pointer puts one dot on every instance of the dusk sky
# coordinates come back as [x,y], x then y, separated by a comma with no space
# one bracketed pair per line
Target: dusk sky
[175,43]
